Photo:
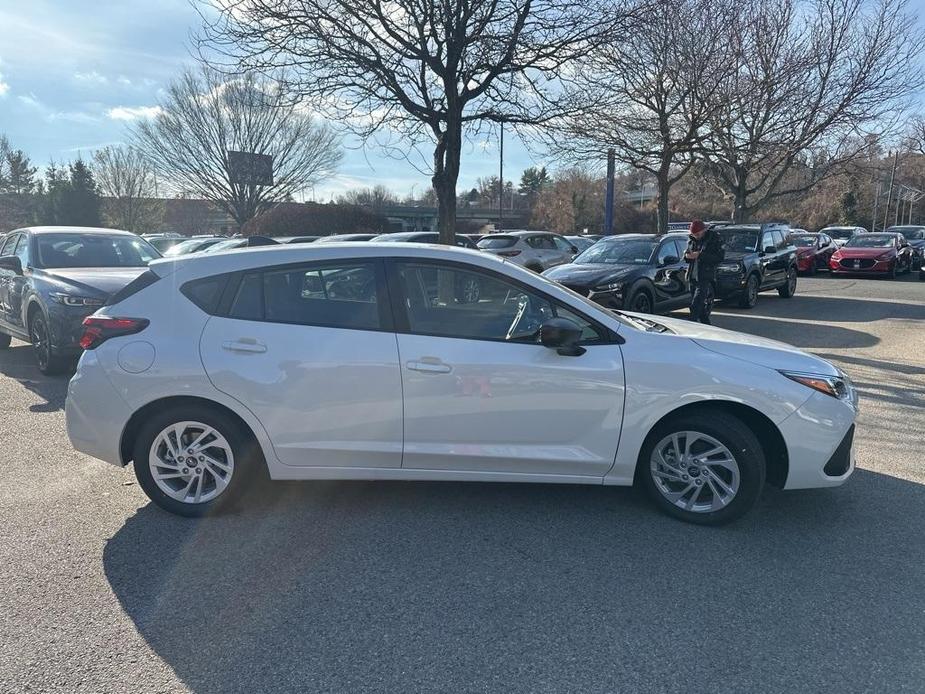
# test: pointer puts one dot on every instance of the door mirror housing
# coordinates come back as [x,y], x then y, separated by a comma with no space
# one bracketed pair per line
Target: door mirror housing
[562,335]
[11,263]
[769,249]
[670,260]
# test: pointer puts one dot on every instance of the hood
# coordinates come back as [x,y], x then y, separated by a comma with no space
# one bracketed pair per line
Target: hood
[590,275]
[97,280]
[751,348]
[863,252]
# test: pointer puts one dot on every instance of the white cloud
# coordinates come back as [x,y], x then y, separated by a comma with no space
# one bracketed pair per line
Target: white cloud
[92,77]
[133,112]
[4,86]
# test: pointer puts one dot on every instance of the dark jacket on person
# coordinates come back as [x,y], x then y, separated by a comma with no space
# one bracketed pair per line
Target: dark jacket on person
[712,249]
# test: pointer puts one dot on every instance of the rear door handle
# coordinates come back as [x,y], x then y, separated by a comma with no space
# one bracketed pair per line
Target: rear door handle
[245,345]
[430,365]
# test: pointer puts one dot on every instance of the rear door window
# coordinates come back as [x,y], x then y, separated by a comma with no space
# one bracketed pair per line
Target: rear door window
[493,242]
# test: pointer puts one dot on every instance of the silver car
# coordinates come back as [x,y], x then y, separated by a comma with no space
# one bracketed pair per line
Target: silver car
[534,250]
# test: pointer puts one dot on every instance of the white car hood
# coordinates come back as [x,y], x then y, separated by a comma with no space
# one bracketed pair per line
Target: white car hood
[751,348]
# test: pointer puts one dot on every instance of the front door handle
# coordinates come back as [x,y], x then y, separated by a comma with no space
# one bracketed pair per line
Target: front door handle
[245,345]
[430,365]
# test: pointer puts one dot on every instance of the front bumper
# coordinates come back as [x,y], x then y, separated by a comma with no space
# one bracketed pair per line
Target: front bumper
[849,267]
[611,298]
[729,284]
[819,438]
[95,413]
[805,263]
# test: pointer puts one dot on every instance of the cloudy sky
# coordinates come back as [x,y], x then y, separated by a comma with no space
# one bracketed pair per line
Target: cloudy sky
[74,75]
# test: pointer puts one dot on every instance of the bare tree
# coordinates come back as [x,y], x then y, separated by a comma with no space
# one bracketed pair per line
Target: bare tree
[375,198]
[205,114]
[126,182]
[420,69]
[650,97]
[815,81]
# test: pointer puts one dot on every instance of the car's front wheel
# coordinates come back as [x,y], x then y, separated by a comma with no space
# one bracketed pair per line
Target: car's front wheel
[193,460]
[750,294]
[48,361]
[705,467]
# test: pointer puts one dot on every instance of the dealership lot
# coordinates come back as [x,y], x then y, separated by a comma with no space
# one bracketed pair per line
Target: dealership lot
[341,586]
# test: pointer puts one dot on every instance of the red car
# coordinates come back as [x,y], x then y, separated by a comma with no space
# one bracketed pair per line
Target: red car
[813,250]
[868,254]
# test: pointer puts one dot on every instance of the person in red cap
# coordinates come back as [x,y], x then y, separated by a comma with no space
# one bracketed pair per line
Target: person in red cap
[705,250]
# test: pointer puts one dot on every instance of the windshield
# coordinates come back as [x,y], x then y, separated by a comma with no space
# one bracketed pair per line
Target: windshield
[803,241]
[870,241]
[225,245]
[839,233]
[618,252]
[189,246]
[498,242]
[93,250]
[740,240]
[911,233]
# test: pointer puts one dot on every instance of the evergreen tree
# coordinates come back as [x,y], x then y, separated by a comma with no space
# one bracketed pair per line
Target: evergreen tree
[81,199]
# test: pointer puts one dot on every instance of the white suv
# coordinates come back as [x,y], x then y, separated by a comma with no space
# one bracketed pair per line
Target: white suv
[534,250]
[362,361]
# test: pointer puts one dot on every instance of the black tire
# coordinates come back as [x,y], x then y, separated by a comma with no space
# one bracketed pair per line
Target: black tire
[749,296]
[640,301]
[894,272]
[789,288]
[736,436]
[5,341]
[247,459]
[922,274]
[48,361]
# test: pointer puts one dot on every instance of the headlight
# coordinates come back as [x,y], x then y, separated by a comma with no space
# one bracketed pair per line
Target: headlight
[839,387]
[730,267]
[612,287]
[73,300]
[885,256]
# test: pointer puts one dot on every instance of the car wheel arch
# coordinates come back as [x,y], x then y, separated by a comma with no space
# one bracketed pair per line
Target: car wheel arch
[768,434]
[133,426]
[643,284]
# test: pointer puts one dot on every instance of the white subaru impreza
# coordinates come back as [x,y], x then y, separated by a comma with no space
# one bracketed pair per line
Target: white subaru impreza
[421,362]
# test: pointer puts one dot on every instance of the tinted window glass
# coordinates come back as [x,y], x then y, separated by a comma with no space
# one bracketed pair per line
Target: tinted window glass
[9,244]
[619,251]
[22,250]
[248,301]
[542,242]
[767,239]
[562,244]
[666,251]
[870,241]
[739,240]
[780,240]
[340,297]
[205,293]
[498,242]
[461,303]
[93,250]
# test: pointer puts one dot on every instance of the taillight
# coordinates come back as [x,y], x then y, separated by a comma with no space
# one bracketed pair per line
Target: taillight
[98,329]
[508,254]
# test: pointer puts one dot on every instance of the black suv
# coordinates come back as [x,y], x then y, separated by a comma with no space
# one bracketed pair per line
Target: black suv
[758,257]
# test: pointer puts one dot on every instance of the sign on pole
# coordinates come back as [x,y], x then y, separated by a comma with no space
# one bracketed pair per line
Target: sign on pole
[247,168]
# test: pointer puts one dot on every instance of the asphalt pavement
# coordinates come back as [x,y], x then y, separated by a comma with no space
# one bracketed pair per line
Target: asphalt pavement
[450,587]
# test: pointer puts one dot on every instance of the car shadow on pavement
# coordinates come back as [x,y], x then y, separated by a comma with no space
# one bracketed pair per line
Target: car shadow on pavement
[18,363]
[400,587]
[797,334]
[833,309]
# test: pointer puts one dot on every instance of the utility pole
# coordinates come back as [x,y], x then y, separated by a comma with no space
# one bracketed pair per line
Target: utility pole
[889,195]
[608,201]
[873,221]
[501,181]
[899,202]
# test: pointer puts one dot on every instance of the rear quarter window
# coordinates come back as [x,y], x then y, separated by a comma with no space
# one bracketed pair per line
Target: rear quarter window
[206,293]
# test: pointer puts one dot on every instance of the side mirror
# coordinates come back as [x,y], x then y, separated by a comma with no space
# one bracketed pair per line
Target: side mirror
[670,260]
[562,335]
[11,263]
[769,249]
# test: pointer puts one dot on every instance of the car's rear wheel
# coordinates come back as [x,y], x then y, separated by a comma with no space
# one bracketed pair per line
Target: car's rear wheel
[894,271]
[5,340]
[750,294]
[705,467]
[48,361]
[193,461]
[789,288]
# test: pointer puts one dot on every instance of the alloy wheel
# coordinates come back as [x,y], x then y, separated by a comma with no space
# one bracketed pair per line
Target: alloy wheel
[694,471]
[191,462]
[792,281]
[38,336]
[641,303]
